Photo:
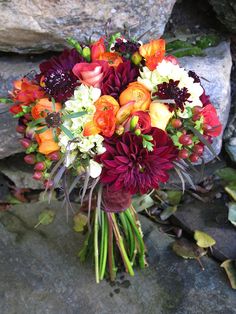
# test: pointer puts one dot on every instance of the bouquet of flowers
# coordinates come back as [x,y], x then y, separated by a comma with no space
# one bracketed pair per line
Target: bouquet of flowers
[112,117]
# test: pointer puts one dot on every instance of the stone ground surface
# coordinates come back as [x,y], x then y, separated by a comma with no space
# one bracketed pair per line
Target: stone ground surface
[40,273]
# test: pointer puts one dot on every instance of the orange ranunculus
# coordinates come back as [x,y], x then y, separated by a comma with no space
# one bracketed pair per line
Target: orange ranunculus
[160,115]
[138,94]
[104,119]
[112,58]
[97,49]
[43,106]
[153,52]
[46,142]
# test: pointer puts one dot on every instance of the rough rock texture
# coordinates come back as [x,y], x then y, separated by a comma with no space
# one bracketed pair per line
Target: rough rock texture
[215,69]
[226,12]
[11,68]
[211,218]
[230,138]
[35,26]
[40,273]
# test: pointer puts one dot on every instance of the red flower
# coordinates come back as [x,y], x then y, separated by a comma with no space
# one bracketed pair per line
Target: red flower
[128,166]
[97,49]
[211,120]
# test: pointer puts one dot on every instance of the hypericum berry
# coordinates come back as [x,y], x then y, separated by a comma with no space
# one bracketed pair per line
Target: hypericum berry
[176,123]
[20,129]
[48,184]
[38,175]
[54,156]
[197,110]
[198,149]
[40,166]
[28,116]
[183,154]
[185,140]
[193,157]
[196,117]
[30,159]
[25,142]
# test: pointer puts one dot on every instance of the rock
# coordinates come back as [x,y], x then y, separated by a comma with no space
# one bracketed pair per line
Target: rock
[37,26]
[214,69]
[211,218]
[230,138]
[226,12]
[11,68]
[20,173]
[40,273]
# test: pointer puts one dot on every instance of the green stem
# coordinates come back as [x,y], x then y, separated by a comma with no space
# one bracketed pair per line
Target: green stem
[96,246]
[83,252]
[130,235]
[111,261]
[102,242]
[105,244]
[120,244]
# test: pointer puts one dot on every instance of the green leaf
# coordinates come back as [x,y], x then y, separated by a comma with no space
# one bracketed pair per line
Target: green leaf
[167,212]
[203,239]
[227,174]
[174,197]
[74,115]
[45,218]
[80,221]
[187,249]
[231,190]
[232,213]
[36,122]
[142,202]
[39,131]
[230,269]
[207,41]
[6,101]
[53,104]
[193,51]
[74,43]
[67,132]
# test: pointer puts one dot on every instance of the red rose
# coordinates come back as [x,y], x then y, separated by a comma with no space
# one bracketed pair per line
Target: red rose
[90,74]
[211,123]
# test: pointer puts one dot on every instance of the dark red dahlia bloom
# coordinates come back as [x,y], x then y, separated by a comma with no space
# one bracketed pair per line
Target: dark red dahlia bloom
[128,166]
[57,78]
[117,79]
[171,90]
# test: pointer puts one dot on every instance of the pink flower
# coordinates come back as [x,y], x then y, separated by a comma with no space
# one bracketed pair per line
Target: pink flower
[90,74]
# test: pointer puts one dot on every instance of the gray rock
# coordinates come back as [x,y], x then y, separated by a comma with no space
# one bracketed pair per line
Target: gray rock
[226,12]
[36,26]
[231,150]
[230,138]
[40,273]
[215,69]
[211,218]
[19,173]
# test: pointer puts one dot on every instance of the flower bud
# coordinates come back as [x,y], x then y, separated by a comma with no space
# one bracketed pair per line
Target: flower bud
[20,129]
[54,156]
[25,142]
[133,122]
[30,132]
[136,58]
[28,116]
[120,130]
[40,166]
[30,159]
[137,132]
[37,175]
[86,53]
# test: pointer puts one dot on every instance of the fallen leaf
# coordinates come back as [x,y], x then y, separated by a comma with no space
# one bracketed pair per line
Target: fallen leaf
[227,174]
[174,197]
[232,213]
[230,269]
[45,218]
[167,212]
[143,202]
[203,239]
[231,190]
[80,221]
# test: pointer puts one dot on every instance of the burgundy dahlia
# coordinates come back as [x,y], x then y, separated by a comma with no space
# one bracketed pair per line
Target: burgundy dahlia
[117,79]
[171,90]
[128,166]
[57,78]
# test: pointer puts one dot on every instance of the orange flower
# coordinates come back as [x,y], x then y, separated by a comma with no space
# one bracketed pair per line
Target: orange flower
[160,115]
[153,52]
[97,49]
[112,58]
[46,142]
[42,106]
[104,119]
[137,94]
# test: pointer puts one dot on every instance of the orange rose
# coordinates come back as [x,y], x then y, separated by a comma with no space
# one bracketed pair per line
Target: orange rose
[104,119]
[137,94]
[153,52]
[112,58]
[160,115]
[97,49]
[46,142]
[43,106]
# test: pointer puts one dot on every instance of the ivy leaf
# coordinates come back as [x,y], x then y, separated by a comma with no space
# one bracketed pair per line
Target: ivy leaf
[203,239]
[232,213]
[80,221]
[45,218]
[167,212]
[230,269]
